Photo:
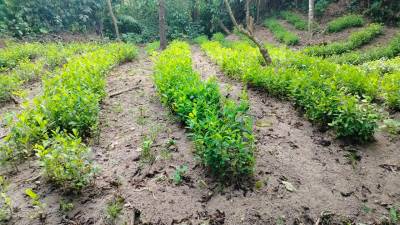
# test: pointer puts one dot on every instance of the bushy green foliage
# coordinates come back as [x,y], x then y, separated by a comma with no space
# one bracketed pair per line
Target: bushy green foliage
[355,40]
[70,101]
[383,66]
[200,39]
[152,47]
[391,50]
[391,90]
[48,57]
[221,128]
[295,77]
[345,22]
[280,33]
[65,161]
[295,20]
[14,53]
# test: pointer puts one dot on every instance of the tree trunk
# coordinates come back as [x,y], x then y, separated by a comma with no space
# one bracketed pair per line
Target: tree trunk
[223,27]
[114,19]
[162,25]
[248,12]
[249,31]
[310,15]
[258,11]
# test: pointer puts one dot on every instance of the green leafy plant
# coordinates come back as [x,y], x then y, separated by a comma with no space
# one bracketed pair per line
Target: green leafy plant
[294,19]
[66,206]
[40,207]
[5,202]
[114,209]
[146,155]
[344,22]
[280,33]
[179,174]
[65,161]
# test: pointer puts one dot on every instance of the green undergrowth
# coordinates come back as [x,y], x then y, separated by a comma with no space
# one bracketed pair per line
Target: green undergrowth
[280,32]
[392,49]
[318,91]
[220,127]
[297,21]
[345,22]
[356,40]
[68,105]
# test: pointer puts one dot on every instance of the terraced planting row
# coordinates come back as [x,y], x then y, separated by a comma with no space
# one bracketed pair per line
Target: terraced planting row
[52,127]
[220,127]
[33,61]
[391,50]
[356,40]
[321,97]
[280,32]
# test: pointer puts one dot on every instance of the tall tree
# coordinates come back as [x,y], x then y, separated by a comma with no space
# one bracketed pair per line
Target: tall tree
[114,19]
[310,15]
[162,25]
[248,31]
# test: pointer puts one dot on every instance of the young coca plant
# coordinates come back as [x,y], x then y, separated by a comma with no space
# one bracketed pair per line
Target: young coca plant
[65,160]
[5,202]
[39,206]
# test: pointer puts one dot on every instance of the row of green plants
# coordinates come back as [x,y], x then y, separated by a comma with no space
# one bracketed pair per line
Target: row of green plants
[297,21]
[14,53]
[344,22]
[280,32]
[51,56]
[392,49]
[220,127]
[322,100]
[383,66]
[356,40]
[54,123]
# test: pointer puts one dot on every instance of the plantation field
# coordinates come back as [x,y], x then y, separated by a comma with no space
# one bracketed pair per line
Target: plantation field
[203,132]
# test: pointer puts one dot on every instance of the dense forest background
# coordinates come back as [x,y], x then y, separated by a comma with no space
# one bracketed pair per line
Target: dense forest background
[138,19]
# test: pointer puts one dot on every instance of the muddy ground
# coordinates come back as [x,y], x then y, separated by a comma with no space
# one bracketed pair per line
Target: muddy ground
[303,175]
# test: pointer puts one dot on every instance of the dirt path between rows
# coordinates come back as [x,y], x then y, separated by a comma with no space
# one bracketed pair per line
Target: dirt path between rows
[290,149]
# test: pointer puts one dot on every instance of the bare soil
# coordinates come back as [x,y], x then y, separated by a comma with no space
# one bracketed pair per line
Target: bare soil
[288,149]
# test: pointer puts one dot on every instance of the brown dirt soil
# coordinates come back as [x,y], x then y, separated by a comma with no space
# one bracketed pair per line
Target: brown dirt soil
[289,149]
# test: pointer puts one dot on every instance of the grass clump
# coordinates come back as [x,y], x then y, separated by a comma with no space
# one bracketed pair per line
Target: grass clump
[294,19]
[220,128]
[345,22]
[355,40]
[280,33]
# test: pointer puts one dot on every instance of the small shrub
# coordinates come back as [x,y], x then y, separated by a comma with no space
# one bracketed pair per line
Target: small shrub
[65,161]
[200,39]
[391,90]
[114,209]
[345,22]
[179,173]
[281,33]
